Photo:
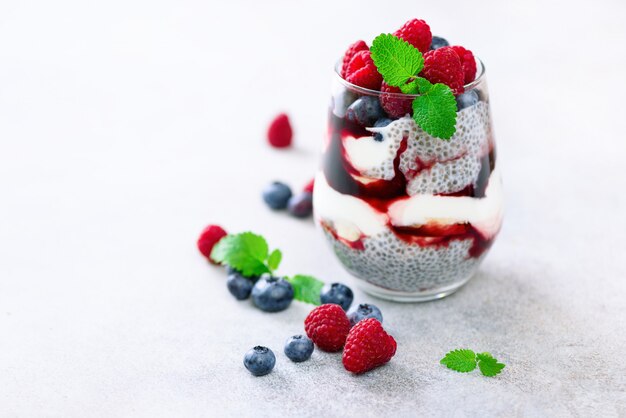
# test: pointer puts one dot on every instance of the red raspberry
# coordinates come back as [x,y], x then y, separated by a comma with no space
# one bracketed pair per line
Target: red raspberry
[362,72]
[395,107]
[367,347]
[328,326]
[309,186]
[417,33]
[468,62]
[347,57]
[208,238]
[279,133]
[444,66]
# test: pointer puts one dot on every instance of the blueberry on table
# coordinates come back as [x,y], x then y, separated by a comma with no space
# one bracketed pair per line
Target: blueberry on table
[272,294]
[467,99]
[298,348]
[337,293]
[438,42]
[259,360]
[364,311]
[239,286]
[276,195]
[301,205]
[365,111]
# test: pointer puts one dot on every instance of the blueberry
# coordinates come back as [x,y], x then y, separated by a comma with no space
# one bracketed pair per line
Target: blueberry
[438,42]
[259,360]
[239,286]
[467,99]
[301,205]
[298,348]
[272,294]
[276,195]
[365,111]
[381,123]
[337,293]
[364,311]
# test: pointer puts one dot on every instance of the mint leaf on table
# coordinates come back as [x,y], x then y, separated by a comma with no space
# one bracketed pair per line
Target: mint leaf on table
[246,252]
[396,60]
[488,365]
[306,288]
[462,360]
[435,109]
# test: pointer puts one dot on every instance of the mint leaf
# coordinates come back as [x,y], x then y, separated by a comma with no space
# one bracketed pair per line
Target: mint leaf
[410,88]
[462,360]
[397,60]
[306,288]
[273,261]
[246,252]
[488,365]
[435,109]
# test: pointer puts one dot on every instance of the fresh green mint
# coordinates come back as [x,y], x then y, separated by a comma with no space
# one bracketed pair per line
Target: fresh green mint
[400,63]
[464,360]
[306,288]
[246,252]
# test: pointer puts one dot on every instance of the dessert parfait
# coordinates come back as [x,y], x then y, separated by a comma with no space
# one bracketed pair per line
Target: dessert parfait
[409,193]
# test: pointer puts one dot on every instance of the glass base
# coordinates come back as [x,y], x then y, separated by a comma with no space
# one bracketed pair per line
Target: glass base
[397,296]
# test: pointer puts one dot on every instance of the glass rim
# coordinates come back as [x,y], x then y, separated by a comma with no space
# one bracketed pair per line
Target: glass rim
[480,74]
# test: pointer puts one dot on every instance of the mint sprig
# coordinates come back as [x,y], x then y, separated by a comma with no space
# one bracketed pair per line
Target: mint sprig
[246,252]
[400,63]
[465,360]
[306,288]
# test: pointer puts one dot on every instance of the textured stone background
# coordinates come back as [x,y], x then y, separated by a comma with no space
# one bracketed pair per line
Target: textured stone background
[125,127]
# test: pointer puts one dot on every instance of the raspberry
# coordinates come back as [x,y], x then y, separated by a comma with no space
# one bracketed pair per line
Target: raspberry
[279,133]
[309,186]
[417,33]
[347,57]
[367,347]
[328,326]
[468,62]
[443,65]
[362,72]
[208,238]
[396,107]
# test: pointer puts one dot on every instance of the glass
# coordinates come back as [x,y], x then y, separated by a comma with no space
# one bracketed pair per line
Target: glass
[409,215]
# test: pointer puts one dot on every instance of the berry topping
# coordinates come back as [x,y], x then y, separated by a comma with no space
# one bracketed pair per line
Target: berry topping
[367,347]
[347,57]
[417,33]
[364,311]
[298,348]
[208,238]
[309,186]
[381,123]
[467,99]
[468,62]
[395,106]
[444,66]
[362,72]
[276,195]
[301,205]
[328,326]
[239,286]
[337,293]
[279,133]
[259,360]
[365,111]
[272,294]
[438,42]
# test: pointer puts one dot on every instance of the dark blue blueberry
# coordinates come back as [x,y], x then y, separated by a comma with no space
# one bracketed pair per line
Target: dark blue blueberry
[239,286]
[259,361]
[276,195]
[298,348]
[467,99]
[438,42]
[381,123]
[364,311]
[337,293]
[272,294]
[365,111]
[301,205]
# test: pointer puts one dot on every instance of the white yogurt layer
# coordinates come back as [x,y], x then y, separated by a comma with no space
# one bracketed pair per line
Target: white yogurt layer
[352,217]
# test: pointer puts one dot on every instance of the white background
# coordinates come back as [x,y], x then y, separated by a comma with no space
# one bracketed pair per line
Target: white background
[127,126]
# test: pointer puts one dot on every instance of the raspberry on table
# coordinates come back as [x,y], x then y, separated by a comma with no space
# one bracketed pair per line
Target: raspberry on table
[468,63]
[279,133]
[350,52]
[208,238]
[328,326]
[417,33]
[367,347]
[443,65]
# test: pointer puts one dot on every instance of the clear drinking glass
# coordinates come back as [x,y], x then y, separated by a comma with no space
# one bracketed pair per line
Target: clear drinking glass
[409,215]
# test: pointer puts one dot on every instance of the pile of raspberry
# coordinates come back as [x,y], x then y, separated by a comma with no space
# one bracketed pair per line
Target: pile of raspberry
[453,66]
